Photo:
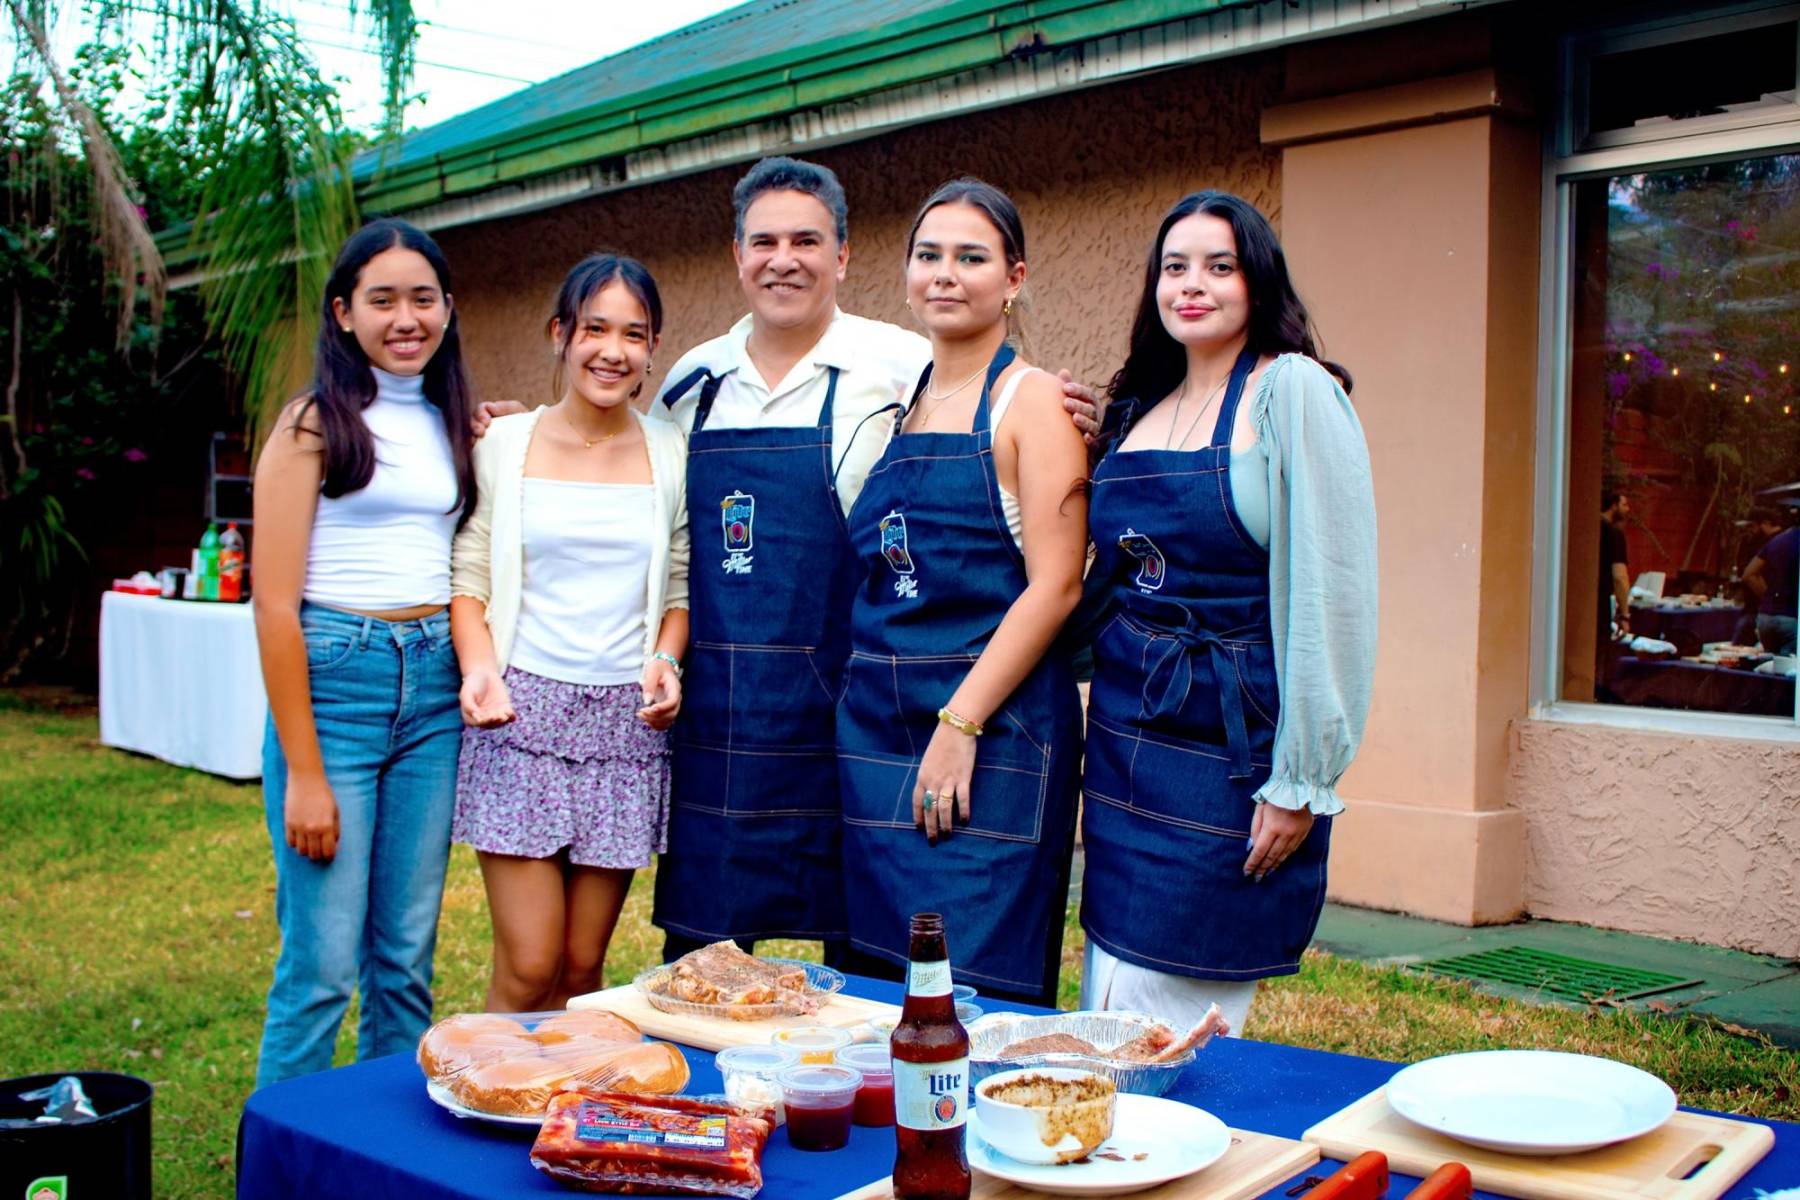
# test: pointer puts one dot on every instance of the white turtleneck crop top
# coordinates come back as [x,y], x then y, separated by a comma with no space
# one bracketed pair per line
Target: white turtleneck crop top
[388,545]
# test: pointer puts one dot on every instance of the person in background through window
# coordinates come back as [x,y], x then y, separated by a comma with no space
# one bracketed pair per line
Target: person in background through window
[1615,574]
[1770,578]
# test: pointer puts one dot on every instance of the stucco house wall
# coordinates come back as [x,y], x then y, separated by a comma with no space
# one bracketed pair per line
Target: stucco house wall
[1093,172]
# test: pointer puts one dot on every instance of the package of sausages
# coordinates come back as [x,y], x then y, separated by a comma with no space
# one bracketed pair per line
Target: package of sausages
[601,1141]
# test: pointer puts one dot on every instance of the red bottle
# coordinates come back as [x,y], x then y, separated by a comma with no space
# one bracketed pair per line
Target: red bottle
[931,1076]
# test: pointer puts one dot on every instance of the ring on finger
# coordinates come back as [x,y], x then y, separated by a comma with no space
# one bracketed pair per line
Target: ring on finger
[947,798]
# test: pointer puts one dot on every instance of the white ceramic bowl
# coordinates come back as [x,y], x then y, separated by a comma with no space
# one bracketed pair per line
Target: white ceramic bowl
[1062,1119]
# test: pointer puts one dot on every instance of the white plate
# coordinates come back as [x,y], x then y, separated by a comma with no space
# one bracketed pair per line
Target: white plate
[1175,1139]
[1531,1101]
[443,1097]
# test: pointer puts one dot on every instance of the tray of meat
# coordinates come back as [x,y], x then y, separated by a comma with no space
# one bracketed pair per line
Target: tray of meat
[601,1141]
[720,980]
[1139,1053]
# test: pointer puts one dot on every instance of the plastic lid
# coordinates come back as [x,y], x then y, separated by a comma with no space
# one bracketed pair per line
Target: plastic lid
[762,1061]
[818,1080]
[813,1037]
[871,1058]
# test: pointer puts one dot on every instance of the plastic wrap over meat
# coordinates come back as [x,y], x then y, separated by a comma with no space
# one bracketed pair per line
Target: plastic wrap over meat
[601,1141]
[1123,1046]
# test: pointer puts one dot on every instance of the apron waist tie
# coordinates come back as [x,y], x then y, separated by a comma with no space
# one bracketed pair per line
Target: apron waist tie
[1171,678]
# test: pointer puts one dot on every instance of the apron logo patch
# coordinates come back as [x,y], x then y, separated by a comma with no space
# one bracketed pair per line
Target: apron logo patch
[1151,564]
[737,514]
[894,549]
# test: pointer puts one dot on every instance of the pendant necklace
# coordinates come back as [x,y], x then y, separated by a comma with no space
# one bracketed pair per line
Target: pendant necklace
[570,422]
[1205,407]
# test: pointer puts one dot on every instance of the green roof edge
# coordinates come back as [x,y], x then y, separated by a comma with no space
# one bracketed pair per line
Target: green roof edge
[931,45]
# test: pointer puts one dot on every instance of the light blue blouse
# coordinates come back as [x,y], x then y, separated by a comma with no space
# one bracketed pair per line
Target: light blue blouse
[1304,491]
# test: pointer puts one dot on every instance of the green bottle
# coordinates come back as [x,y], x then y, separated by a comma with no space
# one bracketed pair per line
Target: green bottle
[208,588]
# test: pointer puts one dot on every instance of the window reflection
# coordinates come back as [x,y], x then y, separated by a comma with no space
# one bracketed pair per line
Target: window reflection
[1685,442]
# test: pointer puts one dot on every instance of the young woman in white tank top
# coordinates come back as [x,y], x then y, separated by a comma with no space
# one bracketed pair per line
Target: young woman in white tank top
[359,490]
[570,617]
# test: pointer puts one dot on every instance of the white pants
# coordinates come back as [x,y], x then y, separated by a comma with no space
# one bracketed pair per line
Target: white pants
[1176,1000]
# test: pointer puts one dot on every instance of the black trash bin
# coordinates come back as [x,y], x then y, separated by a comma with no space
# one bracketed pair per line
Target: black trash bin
[95,1160]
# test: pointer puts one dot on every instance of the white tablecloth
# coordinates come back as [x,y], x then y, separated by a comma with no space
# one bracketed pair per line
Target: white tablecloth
[180,680]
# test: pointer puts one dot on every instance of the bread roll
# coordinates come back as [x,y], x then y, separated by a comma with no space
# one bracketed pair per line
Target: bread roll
[513,1087]
[523,1086]
[457,1043]
[592,1022]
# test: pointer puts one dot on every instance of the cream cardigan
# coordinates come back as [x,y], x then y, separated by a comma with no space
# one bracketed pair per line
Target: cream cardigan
[487,560]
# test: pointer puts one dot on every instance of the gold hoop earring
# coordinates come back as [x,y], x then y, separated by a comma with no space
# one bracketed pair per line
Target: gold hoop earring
[1006,309]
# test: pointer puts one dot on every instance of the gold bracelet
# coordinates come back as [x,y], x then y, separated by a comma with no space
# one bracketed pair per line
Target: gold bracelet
[960,724]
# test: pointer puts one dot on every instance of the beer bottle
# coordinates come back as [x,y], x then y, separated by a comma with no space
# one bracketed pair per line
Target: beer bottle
[931,1075]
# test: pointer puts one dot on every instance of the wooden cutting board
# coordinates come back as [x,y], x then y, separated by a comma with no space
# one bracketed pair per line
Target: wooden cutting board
[1255,1163]
[1692,1157]
[716,1033]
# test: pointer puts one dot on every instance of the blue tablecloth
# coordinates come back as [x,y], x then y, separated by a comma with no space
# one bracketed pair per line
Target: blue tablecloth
[370,1132]
[1673,683]
[1709,623]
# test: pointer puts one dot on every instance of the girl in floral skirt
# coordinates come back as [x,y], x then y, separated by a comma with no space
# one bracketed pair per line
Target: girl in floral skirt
[569,613]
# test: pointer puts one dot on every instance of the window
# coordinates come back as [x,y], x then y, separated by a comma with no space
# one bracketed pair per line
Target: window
[1678,388]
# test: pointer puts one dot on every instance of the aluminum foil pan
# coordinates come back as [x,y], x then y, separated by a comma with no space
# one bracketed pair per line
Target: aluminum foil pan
[991,1034]
[822,983]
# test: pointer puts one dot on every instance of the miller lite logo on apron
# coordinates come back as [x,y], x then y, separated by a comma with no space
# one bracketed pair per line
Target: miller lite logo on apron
[737,513]
[899,557]
[1151,564]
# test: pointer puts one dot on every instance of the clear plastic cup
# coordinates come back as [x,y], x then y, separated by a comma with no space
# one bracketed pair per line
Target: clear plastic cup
[875,1098]
[963,993]
[816,1043]
[820,1102]
[750,1074]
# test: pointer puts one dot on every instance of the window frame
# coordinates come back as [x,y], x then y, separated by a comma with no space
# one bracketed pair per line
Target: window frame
[1701,140]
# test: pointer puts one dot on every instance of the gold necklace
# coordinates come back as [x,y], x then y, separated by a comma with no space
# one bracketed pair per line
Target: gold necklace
[570,422]
[938,398]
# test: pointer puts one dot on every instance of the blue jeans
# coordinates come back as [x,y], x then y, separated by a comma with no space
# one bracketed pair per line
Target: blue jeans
[1775,633]
[384,697]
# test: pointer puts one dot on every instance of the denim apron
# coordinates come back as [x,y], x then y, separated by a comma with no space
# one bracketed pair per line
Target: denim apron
[754,823]
[940,571]
[1181,724]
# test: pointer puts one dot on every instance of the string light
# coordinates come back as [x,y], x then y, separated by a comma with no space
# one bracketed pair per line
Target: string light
[1628,356]
[1717,357]
[1712,387]
[1746,397]
[1675,370]
[1782,368]
[1787,410]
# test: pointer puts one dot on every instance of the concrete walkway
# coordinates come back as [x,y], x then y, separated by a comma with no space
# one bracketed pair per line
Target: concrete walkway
[1754,991]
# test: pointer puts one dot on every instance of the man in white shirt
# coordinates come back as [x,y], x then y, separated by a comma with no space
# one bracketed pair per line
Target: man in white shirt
[786,414]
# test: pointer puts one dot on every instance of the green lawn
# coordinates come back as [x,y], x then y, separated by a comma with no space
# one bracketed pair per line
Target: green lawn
[137,934]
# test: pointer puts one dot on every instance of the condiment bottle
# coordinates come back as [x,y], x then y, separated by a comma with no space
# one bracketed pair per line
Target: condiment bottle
[930,1050]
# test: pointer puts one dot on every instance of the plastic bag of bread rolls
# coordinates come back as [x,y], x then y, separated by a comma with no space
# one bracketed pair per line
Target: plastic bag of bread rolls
[522,1087]
[495,1064]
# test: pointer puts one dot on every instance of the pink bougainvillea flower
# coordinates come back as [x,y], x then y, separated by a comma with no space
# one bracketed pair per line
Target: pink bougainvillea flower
[135,455]
[83,473]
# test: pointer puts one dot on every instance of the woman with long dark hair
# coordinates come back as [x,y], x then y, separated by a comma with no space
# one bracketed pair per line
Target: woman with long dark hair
[959,728]
[360,487]
[569,610]
[1234,593]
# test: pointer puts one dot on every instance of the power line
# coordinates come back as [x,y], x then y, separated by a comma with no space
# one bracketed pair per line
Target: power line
[429,23]
[423,62]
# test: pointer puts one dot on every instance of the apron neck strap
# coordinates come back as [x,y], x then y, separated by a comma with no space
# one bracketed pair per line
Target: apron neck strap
[1234,391]
[1002,359]
[709,392]
[831,382]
